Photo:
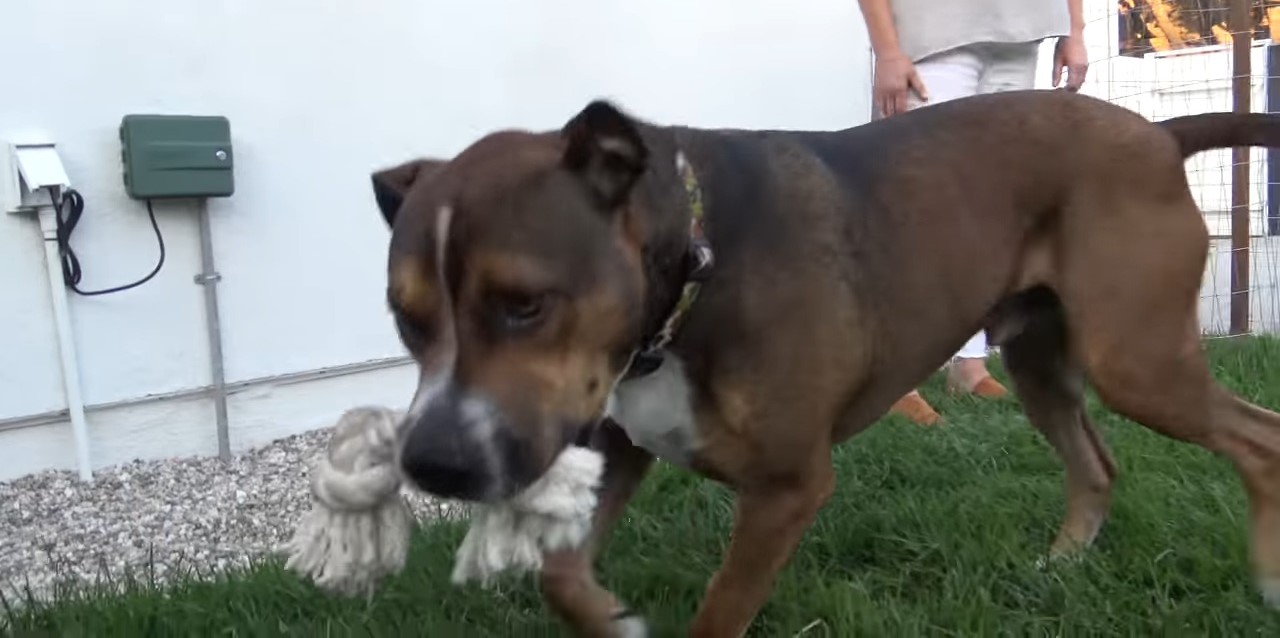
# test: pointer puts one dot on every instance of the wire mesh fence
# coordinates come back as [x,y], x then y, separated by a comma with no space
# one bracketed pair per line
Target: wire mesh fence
[1166,58]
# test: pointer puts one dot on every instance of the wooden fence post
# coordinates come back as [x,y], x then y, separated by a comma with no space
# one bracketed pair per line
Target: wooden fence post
[1241,24]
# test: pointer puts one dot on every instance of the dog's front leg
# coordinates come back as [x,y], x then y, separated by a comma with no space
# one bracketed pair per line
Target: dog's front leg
[769,522]
[568,580]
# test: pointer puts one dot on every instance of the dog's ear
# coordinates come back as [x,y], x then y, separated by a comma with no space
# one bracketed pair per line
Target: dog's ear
[604,147]
[391,184]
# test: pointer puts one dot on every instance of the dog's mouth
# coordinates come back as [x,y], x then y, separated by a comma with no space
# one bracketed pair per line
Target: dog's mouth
[458,451]
[582,434]
[455,446]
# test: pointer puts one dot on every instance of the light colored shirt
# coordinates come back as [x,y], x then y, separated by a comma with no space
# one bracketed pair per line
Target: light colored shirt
[926,27]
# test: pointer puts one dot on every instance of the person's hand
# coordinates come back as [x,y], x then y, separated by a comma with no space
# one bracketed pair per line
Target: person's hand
[1070,57]
[894,76]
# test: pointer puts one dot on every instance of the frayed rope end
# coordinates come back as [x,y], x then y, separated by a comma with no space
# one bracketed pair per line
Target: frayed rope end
[357,532]
[553,513]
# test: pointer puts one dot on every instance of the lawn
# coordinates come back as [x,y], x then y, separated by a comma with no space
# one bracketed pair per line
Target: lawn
[931,532]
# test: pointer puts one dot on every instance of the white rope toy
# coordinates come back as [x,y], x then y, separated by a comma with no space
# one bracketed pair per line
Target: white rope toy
[357,531]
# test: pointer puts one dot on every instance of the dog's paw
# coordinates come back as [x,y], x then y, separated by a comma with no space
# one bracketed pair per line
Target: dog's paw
[630,625]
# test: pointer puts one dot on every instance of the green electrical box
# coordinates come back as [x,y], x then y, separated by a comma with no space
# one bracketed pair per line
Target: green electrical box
[172,156]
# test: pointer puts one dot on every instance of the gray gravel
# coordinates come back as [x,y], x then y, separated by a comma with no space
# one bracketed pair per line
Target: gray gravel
[174,514]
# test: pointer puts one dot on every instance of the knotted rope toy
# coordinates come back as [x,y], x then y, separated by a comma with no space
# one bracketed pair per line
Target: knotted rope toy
[357,531]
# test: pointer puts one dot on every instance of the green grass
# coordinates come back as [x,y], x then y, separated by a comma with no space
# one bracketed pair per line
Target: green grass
[931,532]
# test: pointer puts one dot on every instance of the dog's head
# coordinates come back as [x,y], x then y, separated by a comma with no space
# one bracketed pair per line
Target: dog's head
[517,280]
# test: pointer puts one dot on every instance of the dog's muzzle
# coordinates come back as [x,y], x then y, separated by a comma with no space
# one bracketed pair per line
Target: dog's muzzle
[456,447]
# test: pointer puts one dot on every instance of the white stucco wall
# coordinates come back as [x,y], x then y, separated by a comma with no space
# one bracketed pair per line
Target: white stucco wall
[319,93]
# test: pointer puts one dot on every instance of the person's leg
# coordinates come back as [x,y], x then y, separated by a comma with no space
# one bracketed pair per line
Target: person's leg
[1004,67]
[968,370]
[947,76]
[1008,67]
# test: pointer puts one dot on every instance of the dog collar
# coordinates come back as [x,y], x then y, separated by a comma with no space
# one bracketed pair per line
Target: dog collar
[698,262]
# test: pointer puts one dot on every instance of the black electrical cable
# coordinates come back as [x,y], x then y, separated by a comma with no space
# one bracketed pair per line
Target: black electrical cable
[71,271]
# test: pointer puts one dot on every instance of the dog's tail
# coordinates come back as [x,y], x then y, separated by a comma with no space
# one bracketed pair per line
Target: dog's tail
[1207,131]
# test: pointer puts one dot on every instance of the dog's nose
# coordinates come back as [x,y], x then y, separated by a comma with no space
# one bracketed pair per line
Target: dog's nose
[444,455]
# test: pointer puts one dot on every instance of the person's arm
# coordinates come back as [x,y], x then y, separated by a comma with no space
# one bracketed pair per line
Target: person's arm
[894,73]
[1075,8]
[880,28]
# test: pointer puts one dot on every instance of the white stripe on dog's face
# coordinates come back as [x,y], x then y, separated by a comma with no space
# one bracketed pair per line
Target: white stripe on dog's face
[477,417]
[480,422]
[429,389]
[432,383]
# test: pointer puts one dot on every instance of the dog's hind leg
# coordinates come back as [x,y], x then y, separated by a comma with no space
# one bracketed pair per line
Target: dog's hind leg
[1169,390]
[568,579]
[1250,436]
[1130,293]
[1167,387]
[1050,385]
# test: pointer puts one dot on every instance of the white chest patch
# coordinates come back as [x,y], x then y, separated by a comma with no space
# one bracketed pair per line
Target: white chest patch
[657,412]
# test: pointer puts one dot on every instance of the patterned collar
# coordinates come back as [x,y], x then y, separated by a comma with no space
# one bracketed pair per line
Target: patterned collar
[698,264]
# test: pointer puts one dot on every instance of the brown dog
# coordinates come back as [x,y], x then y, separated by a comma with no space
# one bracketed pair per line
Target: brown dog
[528,272]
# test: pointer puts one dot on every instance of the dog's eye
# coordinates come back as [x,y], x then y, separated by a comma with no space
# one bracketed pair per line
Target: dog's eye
[518,310]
